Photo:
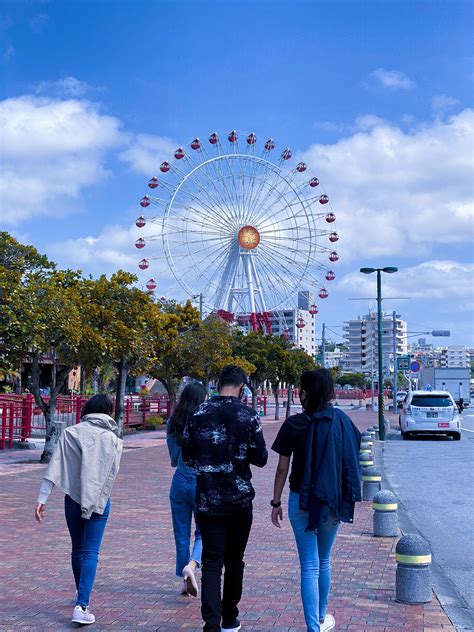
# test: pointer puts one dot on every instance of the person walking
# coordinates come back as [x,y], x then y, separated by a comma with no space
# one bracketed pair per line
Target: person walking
[324,486]
[183,490]
[221,440]
[84,465]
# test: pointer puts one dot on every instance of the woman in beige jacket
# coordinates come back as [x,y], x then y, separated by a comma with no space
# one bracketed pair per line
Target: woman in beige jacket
[84,465]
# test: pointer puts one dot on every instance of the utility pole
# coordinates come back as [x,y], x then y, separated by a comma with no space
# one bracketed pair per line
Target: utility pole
[200,305]
[323,345]
[395,363]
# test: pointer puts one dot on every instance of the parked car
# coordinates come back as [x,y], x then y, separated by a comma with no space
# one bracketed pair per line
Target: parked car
[400,397]
[426,412]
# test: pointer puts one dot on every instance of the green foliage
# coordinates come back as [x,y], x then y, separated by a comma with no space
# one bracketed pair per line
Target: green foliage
[357,380]
[154,421]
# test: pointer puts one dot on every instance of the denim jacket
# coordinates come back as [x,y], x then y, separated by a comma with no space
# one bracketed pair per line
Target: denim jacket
[331,481]
[177,458]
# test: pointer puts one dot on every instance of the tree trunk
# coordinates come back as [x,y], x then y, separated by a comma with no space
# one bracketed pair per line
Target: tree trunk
[288,401]
[53,428]
[277,401]
[254,394]
[122,369]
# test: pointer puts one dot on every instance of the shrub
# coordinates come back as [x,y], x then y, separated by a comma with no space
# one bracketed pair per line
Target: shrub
[154,421]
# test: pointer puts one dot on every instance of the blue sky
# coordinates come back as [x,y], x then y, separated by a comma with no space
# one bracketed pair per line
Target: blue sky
[377,96]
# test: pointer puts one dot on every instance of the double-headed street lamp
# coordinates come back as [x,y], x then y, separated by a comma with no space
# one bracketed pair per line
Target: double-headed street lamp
[388,270]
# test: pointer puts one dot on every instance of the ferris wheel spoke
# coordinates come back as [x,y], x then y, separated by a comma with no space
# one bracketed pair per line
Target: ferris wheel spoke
[269,272]
[211,204]
[281,254]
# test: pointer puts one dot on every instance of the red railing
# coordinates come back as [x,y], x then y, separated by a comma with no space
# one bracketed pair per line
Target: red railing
[21,418]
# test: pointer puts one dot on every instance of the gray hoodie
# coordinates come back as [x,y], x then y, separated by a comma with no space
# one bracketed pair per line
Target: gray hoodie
[86,462]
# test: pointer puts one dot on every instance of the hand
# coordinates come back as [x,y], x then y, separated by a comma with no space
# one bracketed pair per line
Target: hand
[39,512]
[277,516]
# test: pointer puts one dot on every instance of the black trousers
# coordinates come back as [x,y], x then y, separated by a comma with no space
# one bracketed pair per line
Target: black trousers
[224,539]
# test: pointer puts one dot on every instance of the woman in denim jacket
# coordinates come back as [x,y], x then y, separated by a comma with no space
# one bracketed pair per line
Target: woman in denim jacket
[183,490]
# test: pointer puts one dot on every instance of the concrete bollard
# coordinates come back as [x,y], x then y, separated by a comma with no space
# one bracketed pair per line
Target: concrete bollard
[371,483]
[385,508]
[366,447]
[366,459]
[366,436]
[413,578]
[371,432]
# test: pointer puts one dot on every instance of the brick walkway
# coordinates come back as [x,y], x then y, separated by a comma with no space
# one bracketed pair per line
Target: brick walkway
[135,587]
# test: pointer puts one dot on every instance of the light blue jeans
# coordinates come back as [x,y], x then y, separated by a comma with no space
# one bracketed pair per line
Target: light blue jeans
[314,551]
[182,500]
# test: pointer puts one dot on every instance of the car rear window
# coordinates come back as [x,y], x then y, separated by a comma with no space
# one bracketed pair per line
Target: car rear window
[431,401]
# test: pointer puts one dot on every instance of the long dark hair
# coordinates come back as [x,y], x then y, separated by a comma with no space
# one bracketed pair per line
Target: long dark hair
[98,404]
[318,386]
[192,396]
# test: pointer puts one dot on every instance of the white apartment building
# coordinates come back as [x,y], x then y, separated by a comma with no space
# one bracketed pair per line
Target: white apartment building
[285,323]
[334,358]
[455,356]
[361,340]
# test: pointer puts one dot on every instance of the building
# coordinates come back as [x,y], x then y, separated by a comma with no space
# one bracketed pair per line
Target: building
[455,356]
[361,338]
[297,325]
[334,358]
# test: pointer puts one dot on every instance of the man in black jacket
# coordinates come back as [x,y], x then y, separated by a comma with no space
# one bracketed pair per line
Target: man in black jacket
[221,440]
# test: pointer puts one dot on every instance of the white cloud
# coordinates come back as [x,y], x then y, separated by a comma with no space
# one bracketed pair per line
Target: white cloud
[368,121]
[435,279]
[443,102]
[397,192]
[107,252]
[393,79]
[146,152]
[51,149]
[8,52]
[69,87]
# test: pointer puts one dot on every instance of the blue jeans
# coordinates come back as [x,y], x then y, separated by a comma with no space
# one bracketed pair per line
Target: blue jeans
[183,501]
[86,537]
[314,551]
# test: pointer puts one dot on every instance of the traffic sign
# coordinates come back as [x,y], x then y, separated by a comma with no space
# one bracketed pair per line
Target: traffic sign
[403,364]
[415,366]
[428,387]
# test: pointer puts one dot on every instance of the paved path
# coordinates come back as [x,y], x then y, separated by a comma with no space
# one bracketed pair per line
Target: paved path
[136,588]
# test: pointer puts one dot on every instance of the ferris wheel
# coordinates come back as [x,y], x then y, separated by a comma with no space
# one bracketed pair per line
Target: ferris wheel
[242,227]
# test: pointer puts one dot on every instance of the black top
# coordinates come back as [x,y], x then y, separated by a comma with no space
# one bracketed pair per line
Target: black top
[222,438]
[291,440]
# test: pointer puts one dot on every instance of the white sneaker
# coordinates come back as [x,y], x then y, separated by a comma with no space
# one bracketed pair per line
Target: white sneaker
[329,623]
[234,628]
[82,615]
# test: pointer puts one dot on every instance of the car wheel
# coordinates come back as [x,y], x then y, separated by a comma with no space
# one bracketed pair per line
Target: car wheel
[406,435]
[456,436]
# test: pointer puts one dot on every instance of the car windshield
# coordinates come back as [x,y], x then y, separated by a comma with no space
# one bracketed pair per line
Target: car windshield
[431,401]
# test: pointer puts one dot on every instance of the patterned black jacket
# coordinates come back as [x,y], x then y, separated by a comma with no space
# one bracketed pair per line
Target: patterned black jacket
[221,440]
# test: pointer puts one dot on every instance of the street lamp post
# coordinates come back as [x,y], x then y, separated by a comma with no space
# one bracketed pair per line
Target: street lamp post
[388,270]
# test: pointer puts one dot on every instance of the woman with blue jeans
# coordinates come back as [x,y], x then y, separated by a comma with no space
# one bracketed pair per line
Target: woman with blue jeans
[324,486]
[183,491]
[84,465]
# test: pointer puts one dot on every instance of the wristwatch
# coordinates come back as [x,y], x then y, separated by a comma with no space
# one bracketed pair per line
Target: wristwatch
[274,504]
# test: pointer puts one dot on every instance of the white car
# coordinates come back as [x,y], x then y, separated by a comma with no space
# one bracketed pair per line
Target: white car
[430,412]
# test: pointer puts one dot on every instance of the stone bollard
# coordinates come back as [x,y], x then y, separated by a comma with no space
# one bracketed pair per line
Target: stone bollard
[365,459]
[371,432]
[371,483]
[385,508]
[366,447]
[413,579]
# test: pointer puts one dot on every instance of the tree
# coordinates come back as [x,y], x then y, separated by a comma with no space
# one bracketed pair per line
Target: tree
[296,361]
[171,357]
[357,380]
[253,347]
[276,359]
[47,306]
[17,262]
[121,328]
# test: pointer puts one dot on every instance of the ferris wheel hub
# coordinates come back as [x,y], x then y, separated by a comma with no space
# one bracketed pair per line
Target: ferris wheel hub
[248,237]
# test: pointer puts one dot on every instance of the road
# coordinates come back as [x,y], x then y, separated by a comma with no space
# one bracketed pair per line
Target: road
[433,479]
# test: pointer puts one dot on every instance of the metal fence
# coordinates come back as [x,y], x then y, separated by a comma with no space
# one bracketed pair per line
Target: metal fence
[21,418]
